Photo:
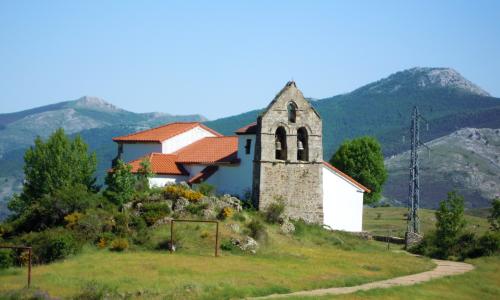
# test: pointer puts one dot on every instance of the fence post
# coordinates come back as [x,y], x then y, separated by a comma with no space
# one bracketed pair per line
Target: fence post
[171,236]
[29,267]
[217,239]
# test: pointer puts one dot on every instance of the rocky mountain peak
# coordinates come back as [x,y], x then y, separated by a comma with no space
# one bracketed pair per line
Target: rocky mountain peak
[419,78]
[94,103]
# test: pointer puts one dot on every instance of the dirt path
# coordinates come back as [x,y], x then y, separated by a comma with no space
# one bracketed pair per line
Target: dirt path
[443,268]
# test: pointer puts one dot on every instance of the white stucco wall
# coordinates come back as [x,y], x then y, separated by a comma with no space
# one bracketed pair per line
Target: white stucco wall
[134,151]
[342,203]
[236,179]
[162,180]
[182,140]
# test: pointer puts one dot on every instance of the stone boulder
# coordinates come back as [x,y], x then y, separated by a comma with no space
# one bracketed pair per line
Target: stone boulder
[248,244]
[180,205]
[287,227]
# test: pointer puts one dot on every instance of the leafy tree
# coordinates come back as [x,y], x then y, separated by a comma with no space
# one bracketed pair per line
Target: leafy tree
[53,165]
[143,174]
[494,217]
[120,183]
[362,159]
[450,223]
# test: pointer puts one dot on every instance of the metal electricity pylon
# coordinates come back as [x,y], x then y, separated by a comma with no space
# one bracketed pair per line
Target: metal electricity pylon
[413,229]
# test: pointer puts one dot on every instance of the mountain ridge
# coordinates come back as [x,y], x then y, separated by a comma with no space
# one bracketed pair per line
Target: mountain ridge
[449,101]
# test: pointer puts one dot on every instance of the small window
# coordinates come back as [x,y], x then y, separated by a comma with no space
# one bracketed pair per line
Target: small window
[292,112]
[248,146]
[280,144]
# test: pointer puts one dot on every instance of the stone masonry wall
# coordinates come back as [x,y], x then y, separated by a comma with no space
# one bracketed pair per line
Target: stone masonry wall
[299,183]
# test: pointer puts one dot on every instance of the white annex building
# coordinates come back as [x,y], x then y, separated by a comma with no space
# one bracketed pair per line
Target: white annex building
[193,153]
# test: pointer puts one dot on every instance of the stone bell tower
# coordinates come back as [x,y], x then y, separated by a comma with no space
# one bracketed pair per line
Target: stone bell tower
[289,156]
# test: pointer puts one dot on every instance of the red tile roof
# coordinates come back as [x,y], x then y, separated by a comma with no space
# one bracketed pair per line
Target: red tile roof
[163,164]
[210,150]
[203,175]
[249,129]
[347,177]
[162,133]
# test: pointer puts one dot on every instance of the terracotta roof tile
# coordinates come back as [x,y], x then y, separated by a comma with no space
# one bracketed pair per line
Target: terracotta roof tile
[162,133]
[163,164]
[209,150]
[347,177]
[249,129]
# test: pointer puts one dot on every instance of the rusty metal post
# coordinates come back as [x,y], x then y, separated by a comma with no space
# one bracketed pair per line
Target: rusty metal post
[29,267]
[217,239]
[171,236]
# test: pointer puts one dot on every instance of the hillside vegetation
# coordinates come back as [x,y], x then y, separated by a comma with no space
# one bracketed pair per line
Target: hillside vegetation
[392,221]
[381,109]
[467,161]
[310,258]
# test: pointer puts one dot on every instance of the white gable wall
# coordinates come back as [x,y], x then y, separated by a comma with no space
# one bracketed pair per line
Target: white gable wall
[162,180]
[134,151]
[182,140]
[342,202]
[236,179]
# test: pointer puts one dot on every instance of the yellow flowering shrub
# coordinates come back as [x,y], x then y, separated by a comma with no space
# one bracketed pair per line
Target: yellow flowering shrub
[72,219]
[24,258]
[102,243]
[119,245]
[177,191]
[227,212]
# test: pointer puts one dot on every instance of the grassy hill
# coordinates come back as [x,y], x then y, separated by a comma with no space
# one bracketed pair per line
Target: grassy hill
[311,258]
[392,221]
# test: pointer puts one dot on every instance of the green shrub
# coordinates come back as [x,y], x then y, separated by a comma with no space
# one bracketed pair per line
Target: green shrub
[151,217]
[489,243]
[121,224]
[6,259]
[240,217]
[94,290]
[206,189]
[227,245]
[467,246]
[257,230]
[196,208]
[494,217]
[275,211]
[91,224]
[450,222]
[119,245]
[51,245]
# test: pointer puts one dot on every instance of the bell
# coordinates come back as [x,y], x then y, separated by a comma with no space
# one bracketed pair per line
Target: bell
[278,145]
[300,146]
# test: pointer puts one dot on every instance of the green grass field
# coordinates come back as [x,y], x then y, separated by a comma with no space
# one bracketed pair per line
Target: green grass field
[313,258]
[391,221]
[481,283]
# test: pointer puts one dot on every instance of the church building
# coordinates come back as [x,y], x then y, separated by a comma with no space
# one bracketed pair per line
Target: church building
[278,157]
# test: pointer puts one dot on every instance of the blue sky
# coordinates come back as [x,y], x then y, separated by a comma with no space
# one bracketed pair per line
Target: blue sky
[220,58]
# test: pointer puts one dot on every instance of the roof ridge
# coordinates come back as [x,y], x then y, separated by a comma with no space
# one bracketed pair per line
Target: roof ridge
[157,127]
[349,178]
[194,124]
